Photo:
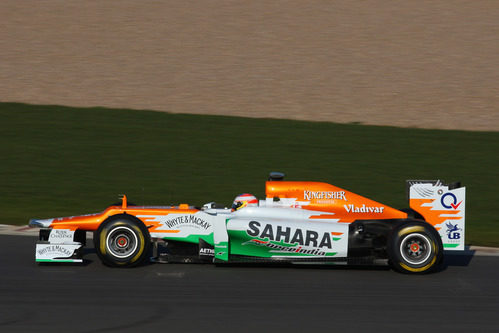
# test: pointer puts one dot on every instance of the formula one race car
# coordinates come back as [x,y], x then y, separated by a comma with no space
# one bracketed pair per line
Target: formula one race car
[297,222]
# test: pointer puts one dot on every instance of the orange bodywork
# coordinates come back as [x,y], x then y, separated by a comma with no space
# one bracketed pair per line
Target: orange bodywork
[431,215]
[91,222]
[335,202]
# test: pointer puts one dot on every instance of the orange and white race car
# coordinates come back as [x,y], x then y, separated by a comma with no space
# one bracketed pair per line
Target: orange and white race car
[297,222]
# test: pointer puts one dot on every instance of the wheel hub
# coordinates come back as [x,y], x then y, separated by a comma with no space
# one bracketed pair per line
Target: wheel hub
[415,248]
[122,242]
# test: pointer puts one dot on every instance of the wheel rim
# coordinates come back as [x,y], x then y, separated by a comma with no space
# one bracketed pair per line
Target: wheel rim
[415,248]
[121,242]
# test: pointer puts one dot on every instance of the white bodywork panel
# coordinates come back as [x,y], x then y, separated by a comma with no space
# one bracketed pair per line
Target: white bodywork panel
[180,225]
[60,247]
[284,237]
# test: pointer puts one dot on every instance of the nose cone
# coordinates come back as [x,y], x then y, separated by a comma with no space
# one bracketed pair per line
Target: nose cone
[37,223]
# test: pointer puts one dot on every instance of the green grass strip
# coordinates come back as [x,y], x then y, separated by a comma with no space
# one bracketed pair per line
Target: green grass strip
[58,161]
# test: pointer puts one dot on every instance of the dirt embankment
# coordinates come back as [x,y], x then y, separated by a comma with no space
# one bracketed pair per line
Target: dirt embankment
[411,63]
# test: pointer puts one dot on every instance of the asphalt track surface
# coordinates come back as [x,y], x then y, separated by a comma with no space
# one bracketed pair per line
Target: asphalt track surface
[463,297]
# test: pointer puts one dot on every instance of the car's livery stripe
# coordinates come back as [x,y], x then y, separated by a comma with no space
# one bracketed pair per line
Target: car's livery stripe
[431,215]
[153,223]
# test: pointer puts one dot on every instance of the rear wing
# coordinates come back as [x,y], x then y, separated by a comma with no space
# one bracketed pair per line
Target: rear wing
[441,205]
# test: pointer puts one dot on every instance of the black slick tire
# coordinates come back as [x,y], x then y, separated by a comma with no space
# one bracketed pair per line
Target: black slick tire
[122,241]
[415,248]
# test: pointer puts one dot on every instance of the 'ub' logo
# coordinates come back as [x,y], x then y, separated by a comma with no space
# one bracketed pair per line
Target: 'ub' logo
[452,231]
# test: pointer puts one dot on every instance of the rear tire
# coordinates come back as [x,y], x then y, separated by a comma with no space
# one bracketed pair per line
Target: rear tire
[415,247]
[122,241]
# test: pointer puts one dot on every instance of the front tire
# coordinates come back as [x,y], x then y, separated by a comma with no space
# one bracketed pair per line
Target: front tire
[122,241]
[415,247]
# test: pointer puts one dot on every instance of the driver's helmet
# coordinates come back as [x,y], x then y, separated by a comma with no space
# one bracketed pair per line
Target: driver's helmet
[244,200]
